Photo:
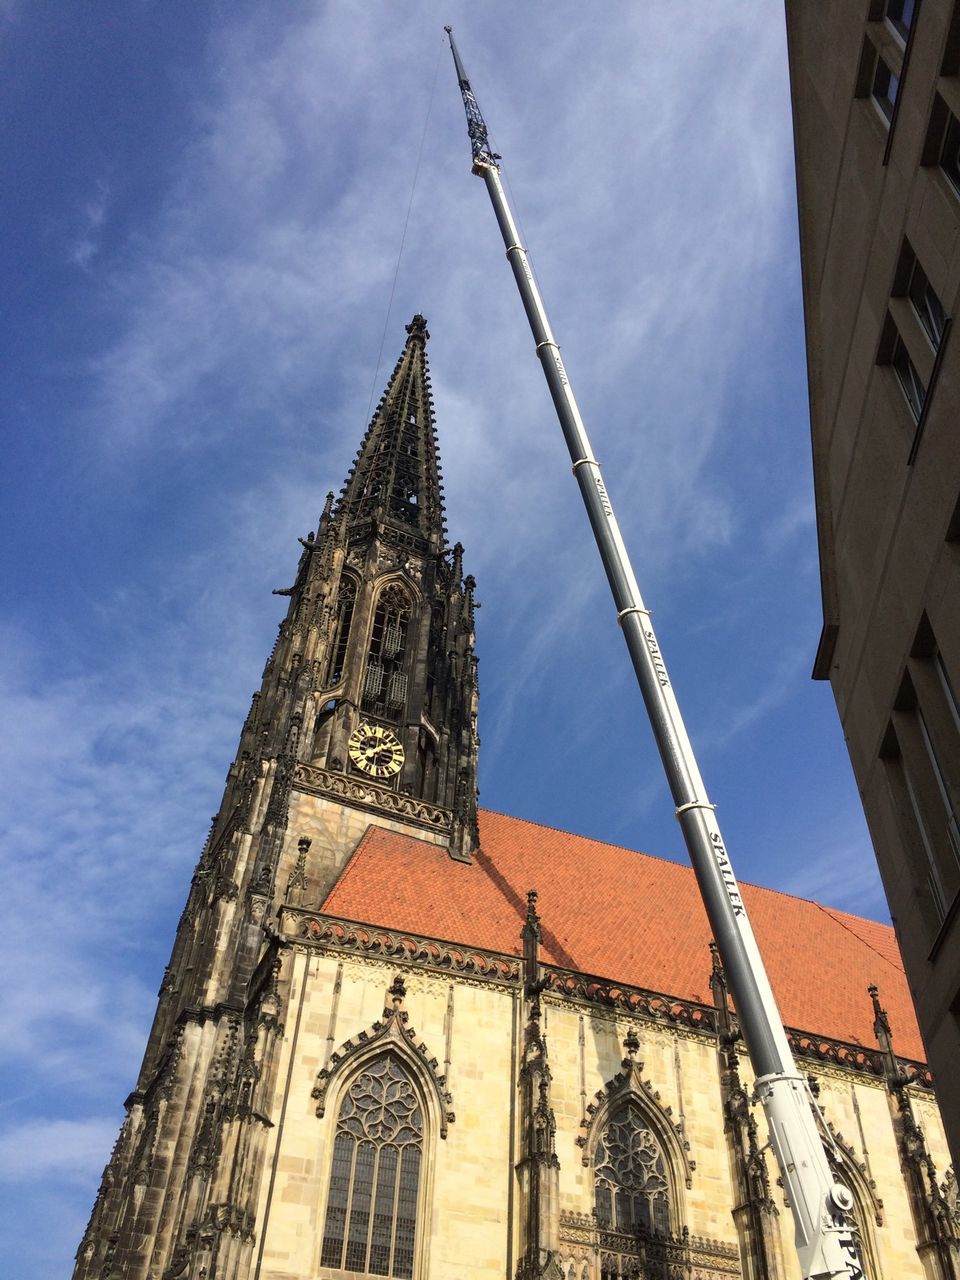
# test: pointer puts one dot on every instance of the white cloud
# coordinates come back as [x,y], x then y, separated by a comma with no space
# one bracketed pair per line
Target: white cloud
[650,164]
[783,682]
[65,1149]
[86,245]
[841,870]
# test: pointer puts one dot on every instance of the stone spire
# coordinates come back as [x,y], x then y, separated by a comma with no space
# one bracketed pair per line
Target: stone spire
[396,477]
[366,714]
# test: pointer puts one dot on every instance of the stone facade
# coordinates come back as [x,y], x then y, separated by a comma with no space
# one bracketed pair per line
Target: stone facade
[326,1097]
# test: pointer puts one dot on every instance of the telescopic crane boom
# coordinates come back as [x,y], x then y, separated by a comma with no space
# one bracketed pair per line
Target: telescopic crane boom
[820,1205]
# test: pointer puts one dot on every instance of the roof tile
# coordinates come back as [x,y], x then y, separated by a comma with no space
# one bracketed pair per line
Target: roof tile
[617,914]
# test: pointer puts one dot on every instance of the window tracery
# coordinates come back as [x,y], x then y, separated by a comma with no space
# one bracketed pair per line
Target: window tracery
[372,1204]
[632,1188]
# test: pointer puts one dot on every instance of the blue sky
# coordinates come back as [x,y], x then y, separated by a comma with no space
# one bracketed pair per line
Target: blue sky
[203,208]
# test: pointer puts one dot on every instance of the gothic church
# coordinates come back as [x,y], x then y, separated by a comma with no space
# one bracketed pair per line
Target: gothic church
[401,1038]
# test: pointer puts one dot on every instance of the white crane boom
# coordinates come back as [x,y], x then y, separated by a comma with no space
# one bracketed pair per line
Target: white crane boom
[821,1206]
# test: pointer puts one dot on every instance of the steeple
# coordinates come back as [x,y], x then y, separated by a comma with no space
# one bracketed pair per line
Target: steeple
[367,714]
[396,477]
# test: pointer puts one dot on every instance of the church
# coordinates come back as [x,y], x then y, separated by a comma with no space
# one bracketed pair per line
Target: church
[398,1036]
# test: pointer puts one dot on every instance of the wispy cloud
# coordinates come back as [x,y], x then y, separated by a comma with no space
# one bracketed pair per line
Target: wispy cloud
[783,682]
[650,164]
[839,868]
[86,244]
[66,1148]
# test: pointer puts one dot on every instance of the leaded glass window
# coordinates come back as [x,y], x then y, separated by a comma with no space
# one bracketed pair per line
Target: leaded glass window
[632,1190]
[375,1179]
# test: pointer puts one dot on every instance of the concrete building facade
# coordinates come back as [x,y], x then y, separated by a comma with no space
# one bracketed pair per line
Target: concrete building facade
[876,101]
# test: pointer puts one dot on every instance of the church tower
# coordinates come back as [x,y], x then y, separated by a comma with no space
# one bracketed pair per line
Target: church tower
[383,1049]
[366,716]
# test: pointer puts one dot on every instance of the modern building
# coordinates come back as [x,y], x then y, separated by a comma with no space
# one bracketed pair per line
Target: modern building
[876,102]
[398,1037]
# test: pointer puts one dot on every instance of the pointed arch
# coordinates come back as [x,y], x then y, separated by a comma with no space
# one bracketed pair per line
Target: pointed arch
[392,1033]
[375,1196]
[629,1084]
[384,1102]
[384,690]
[340,630]
[641,1167]
[867,1206]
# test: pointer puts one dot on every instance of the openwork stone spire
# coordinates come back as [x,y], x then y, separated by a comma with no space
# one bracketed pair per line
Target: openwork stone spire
[396,477]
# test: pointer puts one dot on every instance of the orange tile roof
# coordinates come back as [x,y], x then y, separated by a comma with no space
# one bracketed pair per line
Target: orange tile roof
[617,914]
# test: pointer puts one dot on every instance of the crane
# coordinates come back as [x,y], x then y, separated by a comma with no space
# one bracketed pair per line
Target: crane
[821,1206]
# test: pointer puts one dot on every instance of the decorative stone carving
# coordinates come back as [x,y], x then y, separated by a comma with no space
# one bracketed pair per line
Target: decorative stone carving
[390,1032]
[368,795]
[369,940]
[628,1085]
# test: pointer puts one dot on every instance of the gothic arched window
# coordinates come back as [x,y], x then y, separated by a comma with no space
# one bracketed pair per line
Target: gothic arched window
[385,680]
[340,636]
[860,1215]
[632,1186]
[371,1221]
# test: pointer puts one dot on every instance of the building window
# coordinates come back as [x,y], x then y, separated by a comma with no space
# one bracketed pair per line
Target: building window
[883,59]
[914,337]
[950,151]
[900,15]
[943,788]
[949,693]
[340,637]
[385,679]
[910,381]
[924,746]
[942,144]
[632,1189]
[934,877]
[371,1221]
[885,87]
[926,304]
[880,73]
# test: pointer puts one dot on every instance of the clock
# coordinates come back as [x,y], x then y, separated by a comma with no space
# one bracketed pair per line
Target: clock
[376,751]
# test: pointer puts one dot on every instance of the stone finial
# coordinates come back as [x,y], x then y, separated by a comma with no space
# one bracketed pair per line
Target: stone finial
[881,1023]
[469,603]
[417,328]
[631,1043]
[397,992]
[532,917]
[298,877]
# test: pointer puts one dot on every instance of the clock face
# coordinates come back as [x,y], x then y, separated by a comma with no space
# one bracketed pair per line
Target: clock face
[376,751]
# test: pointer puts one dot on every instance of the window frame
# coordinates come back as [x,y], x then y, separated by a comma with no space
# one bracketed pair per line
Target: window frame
[394,667]
[922,720]
[353,1068]
[631,1110]
[914,338]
